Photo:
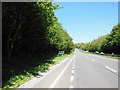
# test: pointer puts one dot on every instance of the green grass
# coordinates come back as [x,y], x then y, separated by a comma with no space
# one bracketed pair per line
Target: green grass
[17,80]
[113,57]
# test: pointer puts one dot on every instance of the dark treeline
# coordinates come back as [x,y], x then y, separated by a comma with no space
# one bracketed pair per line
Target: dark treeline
[108,44]
[30,29]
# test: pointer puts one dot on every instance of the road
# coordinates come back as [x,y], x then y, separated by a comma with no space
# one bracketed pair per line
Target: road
[80,71]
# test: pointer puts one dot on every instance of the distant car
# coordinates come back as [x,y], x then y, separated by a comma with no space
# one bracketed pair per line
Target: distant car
[102,53]
[112,53]
[96,52]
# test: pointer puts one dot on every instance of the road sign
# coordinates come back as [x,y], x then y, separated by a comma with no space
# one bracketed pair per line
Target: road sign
[60,52]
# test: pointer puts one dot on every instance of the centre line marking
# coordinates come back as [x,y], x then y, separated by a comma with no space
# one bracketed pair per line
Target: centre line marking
[72,71]
[73,63]
[74,55]
[71,86]
[72,78]
[53,84]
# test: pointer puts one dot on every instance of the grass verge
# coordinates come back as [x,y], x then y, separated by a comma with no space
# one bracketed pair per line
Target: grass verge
[17,80]
[113,57]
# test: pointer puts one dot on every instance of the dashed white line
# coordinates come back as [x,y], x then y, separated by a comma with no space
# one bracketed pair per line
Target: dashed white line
[73,63]
[111,69]
[72,78]
[53,84]
[72,71]
[71,86]
[74,55]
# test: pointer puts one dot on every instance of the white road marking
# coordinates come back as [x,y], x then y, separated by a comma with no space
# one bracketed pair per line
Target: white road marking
[74,55]
[53,84]
[73,61]
[73,68]
[72,71]
[35,80]
[93,60]
[111,69]
[72,78]
[71,86]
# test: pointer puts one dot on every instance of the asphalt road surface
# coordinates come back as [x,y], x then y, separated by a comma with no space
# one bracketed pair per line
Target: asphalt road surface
[81,71]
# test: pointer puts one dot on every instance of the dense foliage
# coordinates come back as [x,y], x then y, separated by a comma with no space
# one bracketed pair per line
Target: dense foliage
[109,43]
[92,46]
[112,42]
[30,29]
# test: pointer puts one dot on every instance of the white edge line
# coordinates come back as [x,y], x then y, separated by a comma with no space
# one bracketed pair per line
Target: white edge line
[53,84]
[111,69]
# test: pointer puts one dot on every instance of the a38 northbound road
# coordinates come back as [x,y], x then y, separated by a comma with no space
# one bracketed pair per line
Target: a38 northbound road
[81,71]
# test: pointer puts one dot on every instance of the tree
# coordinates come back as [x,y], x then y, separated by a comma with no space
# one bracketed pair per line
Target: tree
[30,30]
[112,43]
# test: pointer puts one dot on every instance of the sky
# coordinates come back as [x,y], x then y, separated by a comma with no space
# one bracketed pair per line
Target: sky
[86,21]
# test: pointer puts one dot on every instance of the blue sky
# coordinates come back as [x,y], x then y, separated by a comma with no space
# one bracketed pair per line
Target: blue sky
[86,21]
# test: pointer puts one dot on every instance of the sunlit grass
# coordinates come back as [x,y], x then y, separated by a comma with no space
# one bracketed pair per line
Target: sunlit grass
[17,80]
